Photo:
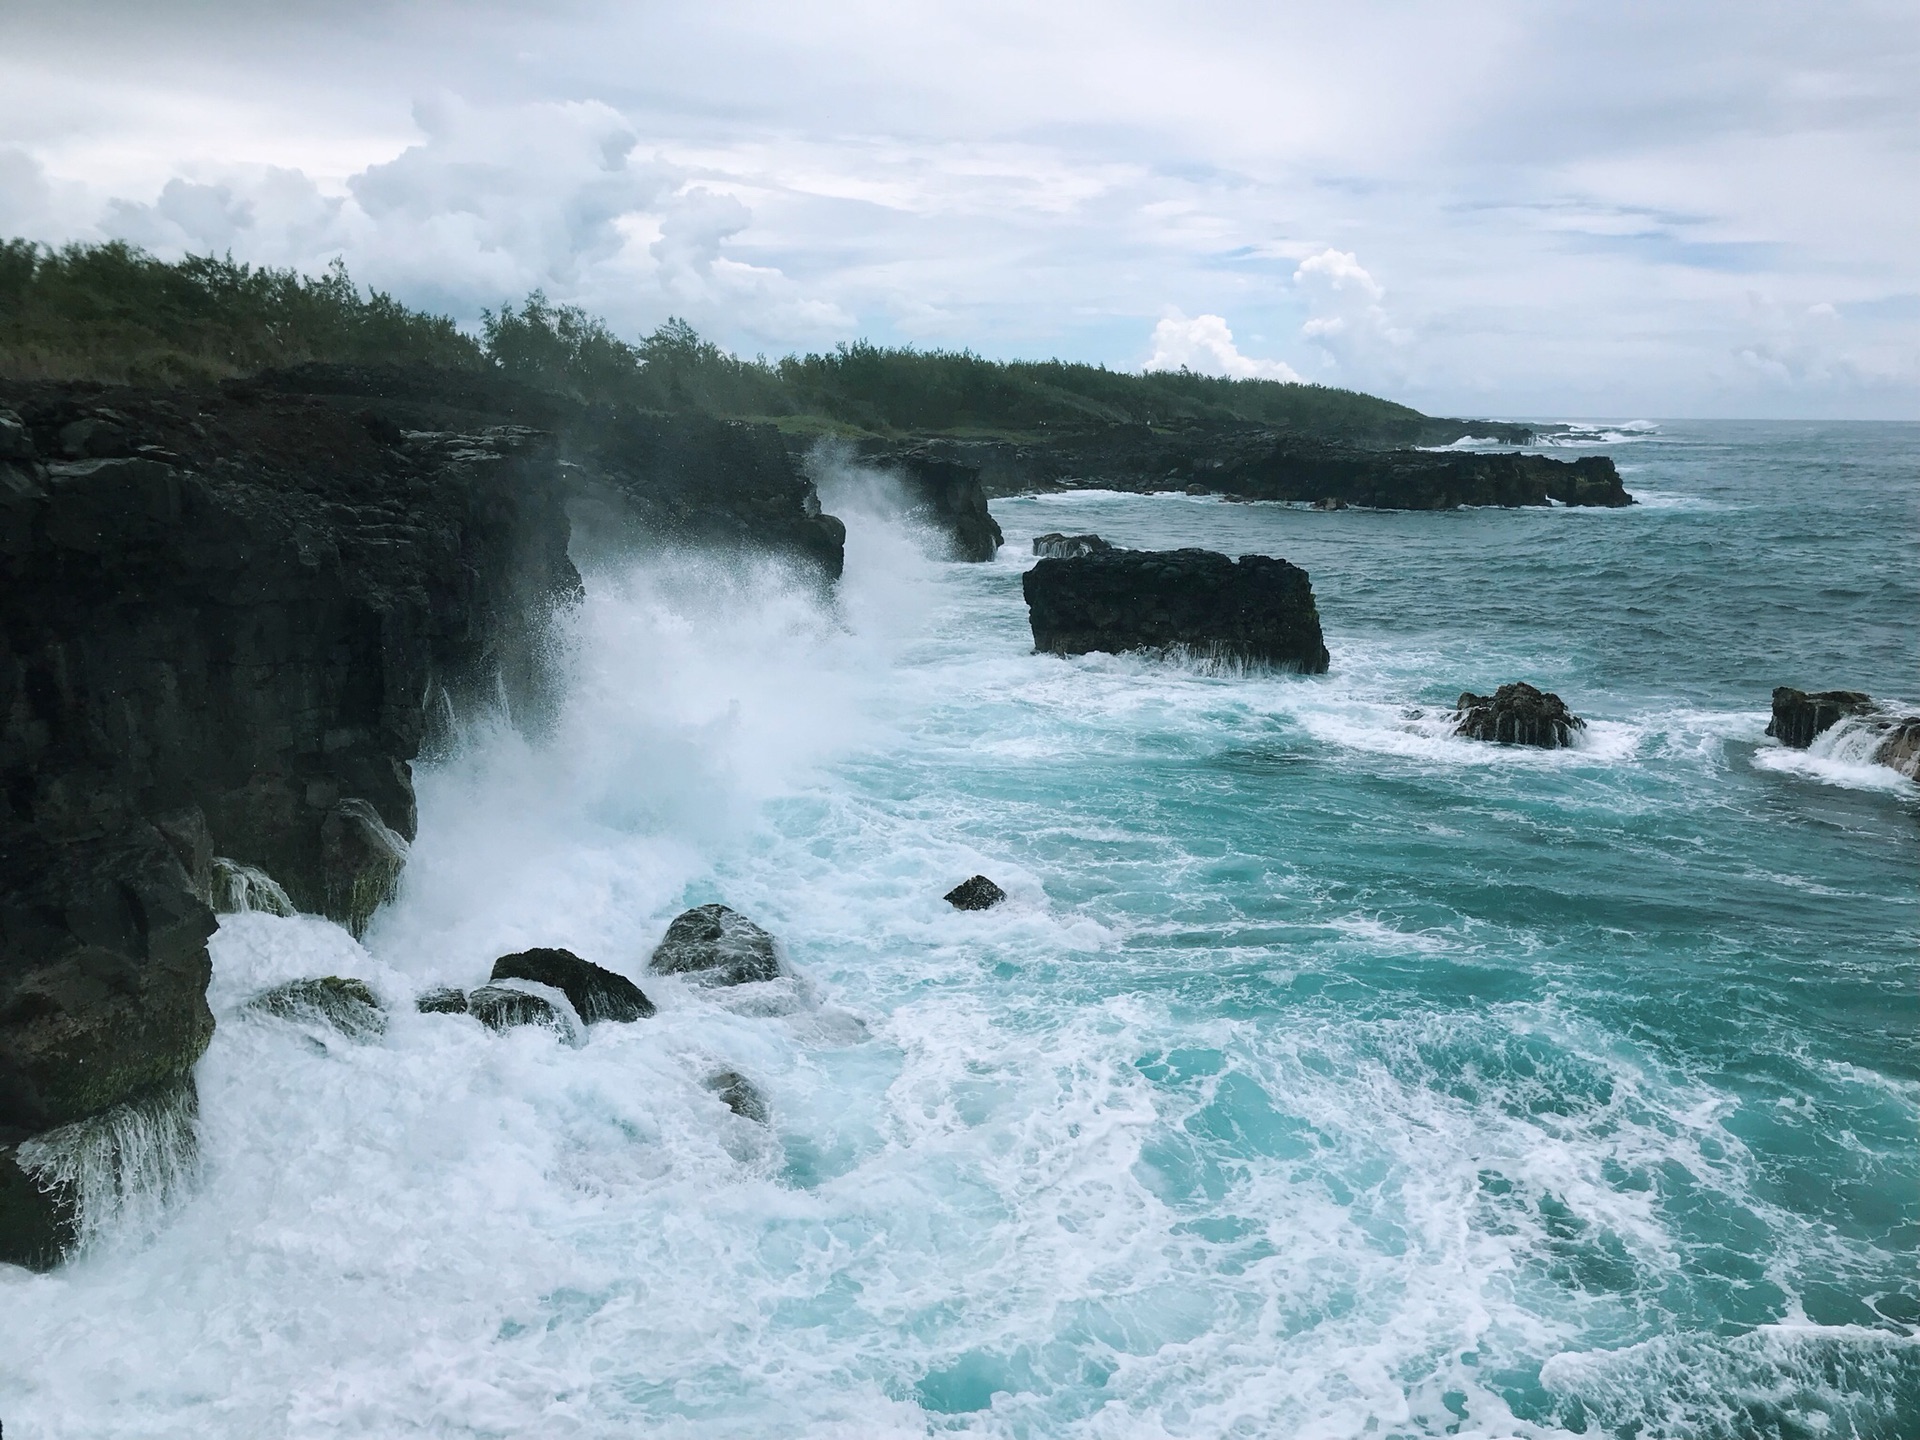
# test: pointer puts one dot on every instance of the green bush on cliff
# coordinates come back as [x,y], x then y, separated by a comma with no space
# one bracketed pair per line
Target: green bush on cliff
[114,313]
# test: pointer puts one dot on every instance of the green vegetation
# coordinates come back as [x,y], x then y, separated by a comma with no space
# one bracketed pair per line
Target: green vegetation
[113,313]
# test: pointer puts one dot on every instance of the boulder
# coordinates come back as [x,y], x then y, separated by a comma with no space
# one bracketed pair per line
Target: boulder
[1055,546]
[1518,714]
[716,946]
[1800,717]
[739,1095]
[978,893]
[1257,609]
[347,1005]
[442,1000]
[502,1007]
[360,863]
[38,1221]
[595,992]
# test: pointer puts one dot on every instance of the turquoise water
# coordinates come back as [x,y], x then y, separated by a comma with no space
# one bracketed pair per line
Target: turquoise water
[1323,1076]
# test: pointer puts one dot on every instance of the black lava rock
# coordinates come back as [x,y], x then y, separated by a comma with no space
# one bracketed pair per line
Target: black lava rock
[1799,717]
[1256,609]
[501,1007]
[594,991]
[1055,546]
[349,1006]
[716,946]
[739,1095]
[442,1000]
[979,893]
[948,496]
[1518,714]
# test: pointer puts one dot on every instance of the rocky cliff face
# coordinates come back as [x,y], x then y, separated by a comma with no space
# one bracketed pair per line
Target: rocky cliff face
[229,620]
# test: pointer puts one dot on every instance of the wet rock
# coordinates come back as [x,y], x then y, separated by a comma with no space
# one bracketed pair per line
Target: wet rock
[1518,714]
[595,992]
[360,863]
[502,1007]
[739,1095]
[38,1221]
[1800,717]
[1055,546]
[245,890]
[978,893]
[1901,749]
[347,1005]
[16,441]
[716,945]
[1257,609]
[948,496]
[441,1000]
[1329,502]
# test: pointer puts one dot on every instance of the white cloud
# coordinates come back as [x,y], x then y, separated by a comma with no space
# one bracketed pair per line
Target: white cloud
[1205,344]
[1349,322]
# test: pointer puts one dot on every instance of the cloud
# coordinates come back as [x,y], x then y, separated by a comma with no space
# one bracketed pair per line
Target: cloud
[1205,344]
[1349,322]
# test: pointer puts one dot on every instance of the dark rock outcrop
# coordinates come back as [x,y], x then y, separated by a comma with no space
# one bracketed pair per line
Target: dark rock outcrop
[1800,717]
[716,945]
[502,1007]
[740,1095]
[441,1000]
[595,992]
[1246,461]
[1257,609]
[977,893]
[1886,737]
[1518,714]
[347,1005]
[1055,546]
[38,1221]
[948,496]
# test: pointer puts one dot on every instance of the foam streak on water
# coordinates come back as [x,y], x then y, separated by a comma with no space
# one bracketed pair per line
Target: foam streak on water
[1324,1075]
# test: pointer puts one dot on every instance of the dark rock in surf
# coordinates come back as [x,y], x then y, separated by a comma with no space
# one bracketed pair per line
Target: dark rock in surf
[948,496]
[38,1222]
[595,992]
[347,1005]
[1801,717]
[716,946]
[1518,714]
[360,863]
[740,1095]
[978,893]
[1055,546]
[502,1007]
[441,1000]
[1257,609]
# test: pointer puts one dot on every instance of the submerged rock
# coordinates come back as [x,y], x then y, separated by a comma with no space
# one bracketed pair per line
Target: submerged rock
[739,1095]
[1800,717]
[348,1005]
[595,992]
[1257,609]
[717,946]
[1518,714]
[502,1007]
[978,893]
[1055,546]
[442,1000]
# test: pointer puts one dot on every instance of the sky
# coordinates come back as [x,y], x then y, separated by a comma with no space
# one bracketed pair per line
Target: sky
[1538,208]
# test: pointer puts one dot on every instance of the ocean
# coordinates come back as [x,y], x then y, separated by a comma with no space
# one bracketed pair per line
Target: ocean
[1324,1075]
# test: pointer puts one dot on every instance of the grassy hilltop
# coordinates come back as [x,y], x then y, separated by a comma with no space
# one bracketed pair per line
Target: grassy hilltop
[115,314]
